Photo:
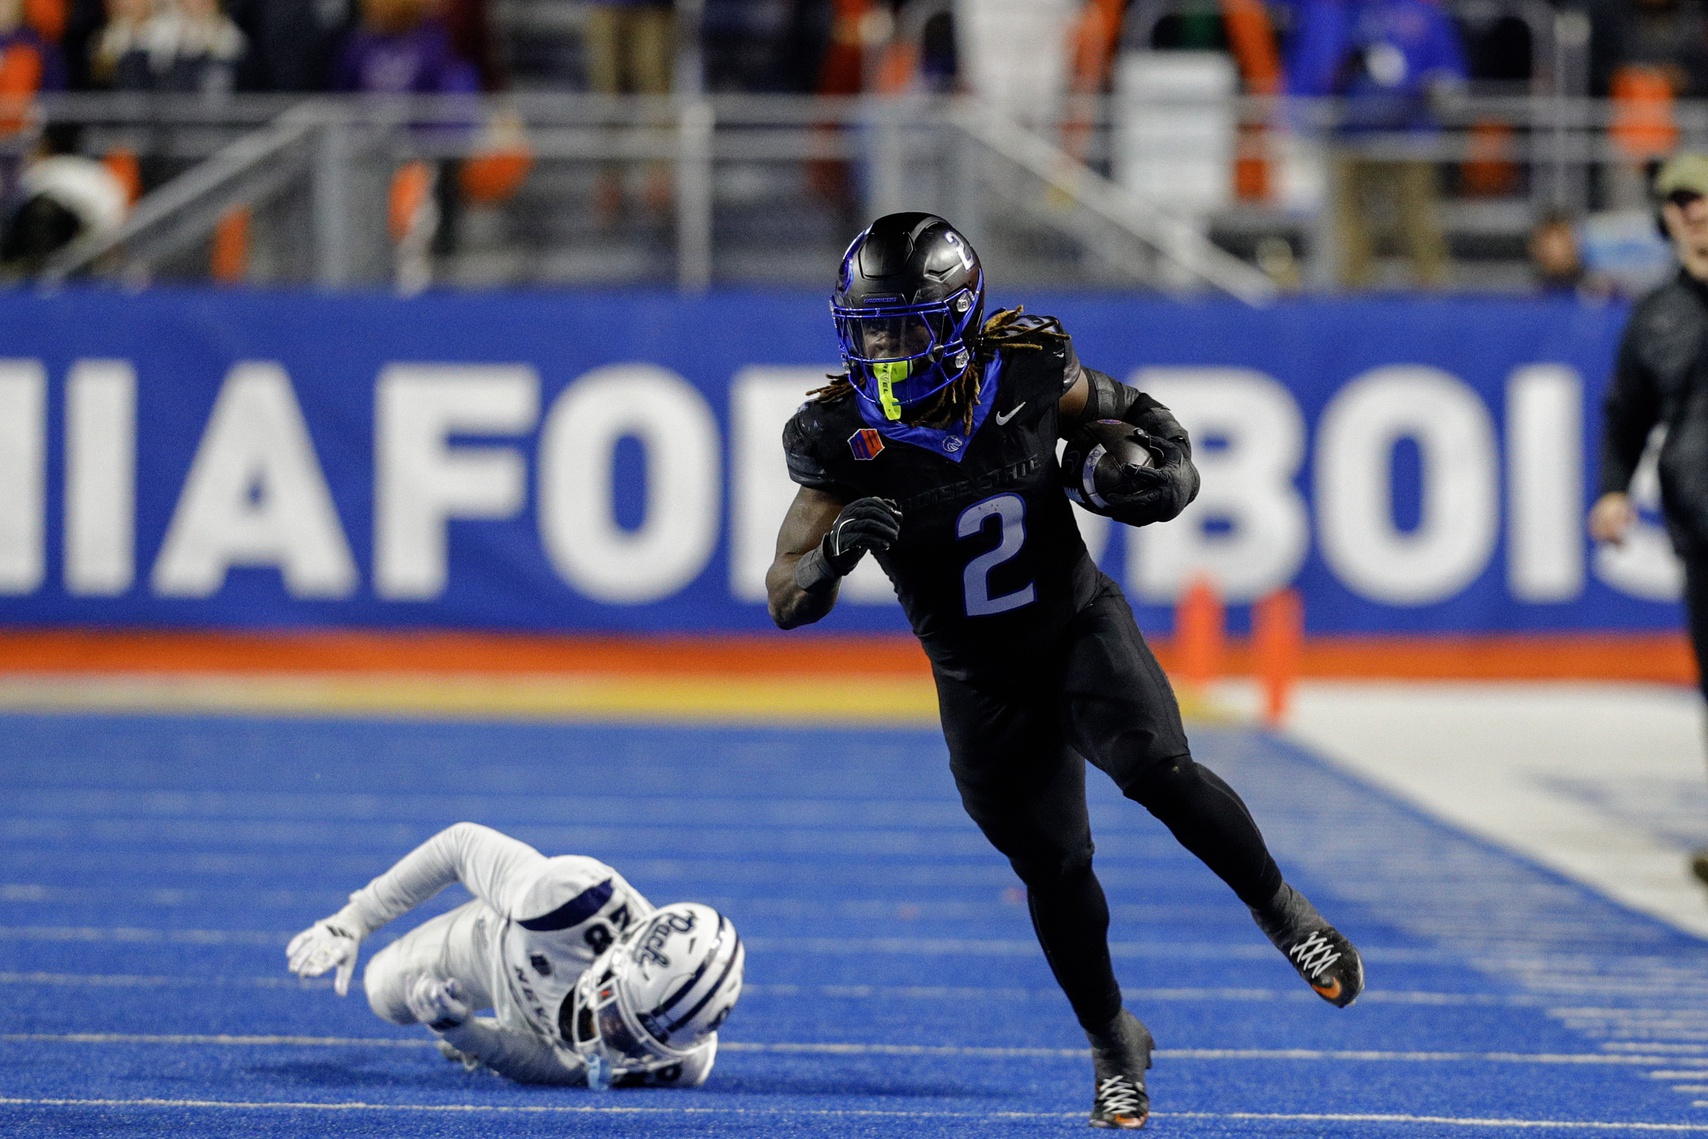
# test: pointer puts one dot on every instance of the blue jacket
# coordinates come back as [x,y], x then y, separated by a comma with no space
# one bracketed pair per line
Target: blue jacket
[1384,56]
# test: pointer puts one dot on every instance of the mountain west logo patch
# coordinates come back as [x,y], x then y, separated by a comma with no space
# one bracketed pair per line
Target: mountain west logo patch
[866,443]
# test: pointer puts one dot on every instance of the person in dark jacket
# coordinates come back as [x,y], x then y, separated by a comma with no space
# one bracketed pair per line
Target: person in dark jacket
[1662,379]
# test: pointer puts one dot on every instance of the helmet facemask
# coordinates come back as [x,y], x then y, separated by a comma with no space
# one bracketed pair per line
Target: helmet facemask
[898,355]
[656,994]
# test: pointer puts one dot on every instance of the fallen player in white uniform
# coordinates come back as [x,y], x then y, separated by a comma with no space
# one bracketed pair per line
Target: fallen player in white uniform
[588,982]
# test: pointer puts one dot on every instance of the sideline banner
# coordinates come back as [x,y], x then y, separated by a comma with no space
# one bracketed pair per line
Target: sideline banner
[610,461]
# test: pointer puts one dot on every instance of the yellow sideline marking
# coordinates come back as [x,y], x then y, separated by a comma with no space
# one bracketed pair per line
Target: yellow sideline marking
[876,701]
[867,701]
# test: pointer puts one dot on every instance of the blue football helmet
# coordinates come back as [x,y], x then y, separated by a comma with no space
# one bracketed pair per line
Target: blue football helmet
[907,304]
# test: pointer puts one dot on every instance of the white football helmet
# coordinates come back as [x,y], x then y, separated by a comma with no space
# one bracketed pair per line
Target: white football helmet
[656,994]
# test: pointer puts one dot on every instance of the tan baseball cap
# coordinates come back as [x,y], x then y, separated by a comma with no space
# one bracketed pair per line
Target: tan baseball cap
[1686,172]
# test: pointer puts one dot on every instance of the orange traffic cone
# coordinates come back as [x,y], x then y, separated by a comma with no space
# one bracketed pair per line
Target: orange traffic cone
[1200,633]
[1278,639]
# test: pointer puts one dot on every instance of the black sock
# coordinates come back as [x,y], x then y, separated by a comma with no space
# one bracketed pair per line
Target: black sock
[1121,1047]
[1287,916]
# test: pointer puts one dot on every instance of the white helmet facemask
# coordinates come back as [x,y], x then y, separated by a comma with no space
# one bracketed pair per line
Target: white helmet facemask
[655,995]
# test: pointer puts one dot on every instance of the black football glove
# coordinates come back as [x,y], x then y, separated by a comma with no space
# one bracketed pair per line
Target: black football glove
[864,524]
[1156,493]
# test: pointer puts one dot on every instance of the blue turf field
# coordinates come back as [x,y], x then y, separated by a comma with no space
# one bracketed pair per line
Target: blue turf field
[152,869]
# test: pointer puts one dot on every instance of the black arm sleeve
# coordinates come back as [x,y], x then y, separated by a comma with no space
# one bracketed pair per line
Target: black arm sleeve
[1628,415]
[1108,398]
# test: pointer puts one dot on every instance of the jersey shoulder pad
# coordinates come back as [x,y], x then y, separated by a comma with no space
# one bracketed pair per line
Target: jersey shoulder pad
[813,438]
[568,891]
[1037,355]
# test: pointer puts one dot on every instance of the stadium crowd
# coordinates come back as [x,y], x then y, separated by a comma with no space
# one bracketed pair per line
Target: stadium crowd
[1399,66]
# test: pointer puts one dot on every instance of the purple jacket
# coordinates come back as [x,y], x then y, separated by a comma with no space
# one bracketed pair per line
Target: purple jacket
[417,62]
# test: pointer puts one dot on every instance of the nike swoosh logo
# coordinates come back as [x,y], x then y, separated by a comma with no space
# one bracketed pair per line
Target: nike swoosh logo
[1002,420]
[1329,992]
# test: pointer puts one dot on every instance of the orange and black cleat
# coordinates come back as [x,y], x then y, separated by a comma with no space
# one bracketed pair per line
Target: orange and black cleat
[1326,960]
[1121,1103]
[1120,1055]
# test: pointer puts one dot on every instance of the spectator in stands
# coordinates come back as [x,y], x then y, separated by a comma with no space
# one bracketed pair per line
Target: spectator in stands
[402,47]
[470,25]
[631,50]
[631,46]
[172,45]
[1393,61]
[1554,258]
[1669,36]
[292,43]
[29,62]
[1660,380]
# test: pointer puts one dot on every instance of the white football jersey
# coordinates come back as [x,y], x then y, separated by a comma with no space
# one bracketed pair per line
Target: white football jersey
[572,908]
[541,920]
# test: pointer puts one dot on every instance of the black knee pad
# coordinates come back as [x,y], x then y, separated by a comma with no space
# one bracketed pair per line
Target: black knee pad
[1045,868]
[1162,779]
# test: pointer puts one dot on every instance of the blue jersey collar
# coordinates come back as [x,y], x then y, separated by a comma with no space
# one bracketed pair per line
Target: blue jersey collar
[952,444]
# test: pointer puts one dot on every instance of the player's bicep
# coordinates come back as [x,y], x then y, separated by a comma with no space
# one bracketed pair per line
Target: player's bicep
[809,519]
[1071,406]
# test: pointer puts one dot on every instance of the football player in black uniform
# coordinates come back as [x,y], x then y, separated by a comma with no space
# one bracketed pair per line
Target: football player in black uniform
[936,453]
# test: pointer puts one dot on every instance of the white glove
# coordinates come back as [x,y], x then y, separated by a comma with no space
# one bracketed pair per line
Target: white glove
[324,946]
[437,1003]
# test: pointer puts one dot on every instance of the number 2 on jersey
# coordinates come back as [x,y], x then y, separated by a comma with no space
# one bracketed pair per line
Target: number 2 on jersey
[1010,512]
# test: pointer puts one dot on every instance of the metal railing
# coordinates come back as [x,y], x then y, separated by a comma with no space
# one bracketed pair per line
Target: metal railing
[768,189]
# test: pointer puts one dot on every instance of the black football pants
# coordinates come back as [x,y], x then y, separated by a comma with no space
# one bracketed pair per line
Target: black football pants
[1696,609]
[1016,753]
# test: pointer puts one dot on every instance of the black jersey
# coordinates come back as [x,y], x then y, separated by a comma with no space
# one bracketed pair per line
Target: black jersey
[989,565]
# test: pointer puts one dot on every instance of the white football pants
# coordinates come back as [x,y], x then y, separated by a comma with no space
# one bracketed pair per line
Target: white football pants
[451,946]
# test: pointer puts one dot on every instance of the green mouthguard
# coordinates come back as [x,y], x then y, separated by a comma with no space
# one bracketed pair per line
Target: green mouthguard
[890,373]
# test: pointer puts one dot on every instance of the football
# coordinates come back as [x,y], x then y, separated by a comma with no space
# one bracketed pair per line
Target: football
[1094,456]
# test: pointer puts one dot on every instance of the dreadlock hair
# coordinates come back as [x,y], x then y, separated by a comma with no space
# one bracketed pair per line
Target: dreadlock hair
[959,399]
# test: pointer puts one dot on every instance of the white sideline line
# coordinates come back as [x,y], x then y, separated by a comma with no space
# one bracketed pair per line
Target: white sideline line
[602,1109]
[962,993]
[852,992]
[215,1038]
[1445,1120]
[854,1049]
[134,934]
[146,981]
[1306,1054]
[841,947]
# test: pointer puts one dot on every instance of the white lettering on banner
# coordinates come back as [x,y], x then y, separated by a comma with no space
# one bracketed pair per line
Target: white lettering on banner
[1645,565]
[23,475]
[590,550]
[255,496]
[1247,487]
[421,482]
[1544,487]
[1455,536]
[100,477]
[761,401]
